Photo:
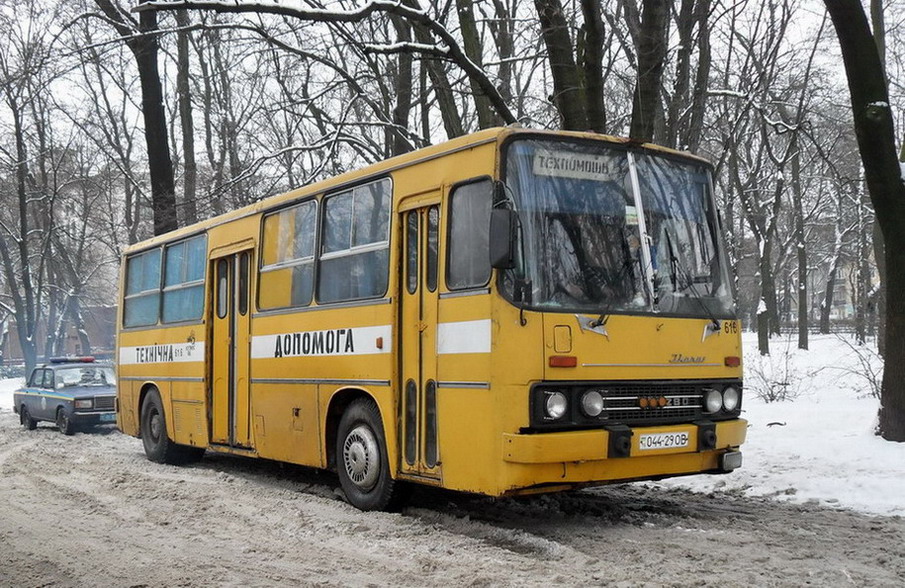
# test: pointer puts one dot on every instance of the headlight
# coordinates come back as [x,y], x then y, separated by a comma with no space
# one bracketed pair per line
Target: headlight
[731,397]
[713,401]
[87,403]
[592,403]
[555,405]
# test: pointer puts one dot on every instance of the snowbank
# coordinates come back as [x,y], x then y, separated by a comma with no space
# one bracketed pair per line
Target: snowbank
[819,447]
[7,387]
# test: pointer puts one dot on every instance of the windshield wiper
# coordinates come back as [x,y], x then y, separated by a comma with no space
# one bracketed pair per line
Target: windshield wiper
[620,275]
[675,265]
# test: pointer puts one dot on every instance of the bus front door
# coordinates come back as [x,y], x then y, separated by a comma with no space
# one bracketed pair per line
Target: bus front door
[230,406]
[419,451]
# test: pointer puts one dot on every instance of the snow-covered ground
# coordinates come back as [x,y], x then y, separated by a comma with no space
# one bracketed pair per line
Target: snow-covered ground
[817,447]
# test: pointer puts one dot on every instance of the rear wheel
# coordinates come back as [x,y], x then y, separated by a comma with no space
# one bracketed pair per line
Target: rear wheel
[64,423]
[361,458]
[158,446]
[26,420]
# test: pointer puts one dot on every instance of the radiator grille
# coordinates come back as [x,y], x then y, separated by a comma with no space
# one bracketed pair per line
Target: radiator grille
[623,403]
[104,402]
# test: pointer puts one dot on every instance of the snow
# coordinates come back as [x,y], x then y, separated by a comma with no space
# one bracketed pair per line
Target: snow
[7,387]
[761,306]
[818,446]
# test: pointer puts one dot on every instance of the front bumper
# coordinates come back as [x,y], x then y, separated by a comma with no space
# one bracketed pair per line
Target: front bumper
[592,456]
[93,418]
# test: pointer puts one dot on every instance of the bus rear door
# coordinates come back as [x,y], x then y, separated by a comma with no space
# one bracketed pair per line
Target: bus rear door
[230,402]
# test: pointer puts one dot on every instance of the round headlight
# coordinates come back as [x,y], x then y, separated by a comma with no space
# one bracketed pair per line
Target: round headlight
[713,401]
[731,397]
[556,405]
[592,403]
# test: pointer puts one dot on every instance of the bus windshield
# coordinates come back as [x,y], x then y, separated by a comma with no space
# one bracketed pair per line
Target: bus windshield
[607,230]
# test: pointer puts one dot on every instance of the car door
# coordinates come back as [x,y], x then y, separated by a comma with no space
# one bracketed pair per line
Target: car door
[48,402]
[29,393]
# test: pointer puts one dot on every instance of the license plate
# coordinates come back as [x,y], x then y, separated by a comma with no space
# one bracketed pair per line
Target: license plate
[663,440]
[108,418]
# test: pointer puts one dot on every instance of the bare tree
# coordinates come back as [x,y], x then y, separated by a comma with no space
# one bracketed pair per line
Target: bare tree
[26,226]
[876,142]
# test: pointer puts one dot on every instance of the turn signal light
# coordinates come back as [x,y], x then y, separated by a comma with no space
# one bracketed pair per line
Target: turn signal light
[563,361]
[733,361]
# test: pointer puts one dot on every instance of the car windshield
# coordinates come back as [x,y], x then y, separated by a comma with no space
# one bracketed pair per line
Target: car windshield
[84,376]
[606,230]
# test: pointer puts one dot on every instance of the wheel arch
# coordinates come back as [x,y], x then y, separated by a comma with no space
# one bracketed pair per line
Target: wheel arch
[339,402]
[142,395]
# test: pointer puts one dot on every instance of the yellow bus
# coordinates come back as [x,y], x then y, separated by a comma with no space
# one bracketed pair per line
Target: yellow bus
[510,312]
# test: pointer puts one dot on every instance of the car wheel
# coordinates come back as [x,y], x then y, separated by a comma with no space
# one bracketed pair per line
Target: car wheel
[25,419]
[361,458]
[64,423]
[158,446]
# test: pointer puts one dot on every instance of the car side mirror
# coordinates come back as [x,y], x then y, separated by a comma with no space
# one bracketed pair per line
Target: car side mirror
[503,225]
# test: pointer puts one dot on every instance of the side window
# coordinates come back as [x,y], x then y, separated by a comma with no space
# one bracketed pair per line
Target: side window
[183,287]
[468,260]
[37,378]
[433,247]
[354,257]
[287,257]
[411,252]
[48,379]
[222,288]
[242,278]
[142,300]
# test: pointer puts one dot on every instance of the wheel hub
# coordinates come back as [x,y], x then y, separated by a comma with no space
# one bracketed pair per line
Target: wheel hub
[361,457]
[155,426]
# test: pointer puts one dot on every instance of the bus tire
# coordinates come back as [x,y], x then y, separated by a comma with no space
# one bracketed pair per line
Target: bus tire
[158,446]
[64,423]
[25,419]
[361,458]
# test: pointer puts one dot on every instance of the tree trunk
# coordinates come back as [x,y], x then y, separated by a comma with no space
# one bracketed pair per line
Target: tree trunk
[767,313]
[879,27]
[678,102]
[591,64]
[145,48]
[404,86]
[473,49]
[505,46]
[826,307]
[163,186]
[693,132]
[446,100]
[800,245]
[567,94]
[652,45]
[876,143]
[19,280]
[190,173]
[862,280]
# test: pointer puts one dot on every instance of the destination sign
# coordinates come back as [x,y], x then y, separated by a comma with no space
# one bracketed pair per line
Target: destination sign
[569,164]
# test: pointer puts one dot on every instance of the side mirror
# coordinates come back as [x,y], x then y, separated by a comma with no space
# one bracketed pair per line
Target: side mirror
[503,225]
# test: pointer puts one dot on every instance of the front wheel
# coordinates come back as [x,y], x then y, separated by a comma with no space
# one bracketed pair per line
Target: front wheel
[64,423]
[158,446]
[25,419]
[361,458]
